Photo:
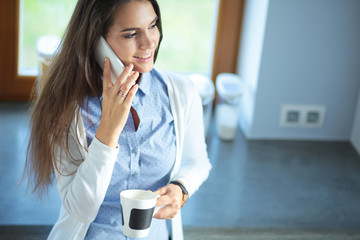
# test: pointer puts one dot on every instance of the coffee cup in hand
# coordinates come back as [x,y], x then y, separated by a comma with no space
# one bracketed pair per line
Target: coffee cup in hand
[138,208]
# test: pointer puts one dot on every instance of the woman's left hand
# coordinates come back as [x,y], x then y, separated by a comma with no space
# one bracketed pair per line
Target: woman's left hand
[170,198]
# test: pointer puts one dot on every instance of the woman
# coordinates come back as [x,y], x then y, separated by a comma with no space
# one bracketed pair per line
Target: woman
[84,135]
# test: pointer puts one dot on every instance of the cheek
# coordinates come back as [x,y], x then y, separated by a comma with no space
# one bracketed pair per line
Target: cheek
[117,46]
[124,51]
[155,36]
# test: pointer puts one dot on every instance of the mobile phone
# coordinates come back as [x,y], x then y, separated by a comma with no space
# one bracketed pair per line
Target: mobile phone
[102,51]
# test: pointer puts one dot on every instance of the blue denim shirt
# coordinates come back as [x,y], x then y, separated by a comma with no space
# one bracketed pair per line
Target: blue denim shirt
[146,156]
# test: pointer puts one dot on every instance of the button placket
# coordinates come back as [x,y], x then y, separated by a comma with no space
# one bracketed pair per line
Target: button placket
[132,144]
[134,168]
[134,162]
[134,148]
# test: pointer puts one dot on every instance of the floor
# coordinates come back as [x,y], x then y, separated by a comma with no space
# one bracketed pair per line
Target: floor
[253,184]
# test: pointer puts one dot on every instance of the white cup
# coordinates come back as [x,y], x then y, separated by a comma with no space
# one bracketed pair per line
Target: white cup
[138,207]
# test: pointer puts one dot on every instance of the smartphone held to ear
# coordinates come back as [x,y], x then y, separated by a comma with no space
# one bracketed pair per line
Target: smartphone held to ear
[102,51]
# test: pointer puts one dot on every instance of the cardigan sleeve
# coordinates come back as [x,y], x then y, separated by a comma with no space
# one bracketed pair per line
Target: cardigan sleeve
[195,165]
[83,184]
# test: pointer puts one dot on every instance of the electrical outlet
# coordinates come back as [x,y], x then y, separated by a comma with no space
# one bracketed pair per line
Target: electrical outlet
[290,115]
[302,115]
[314,115]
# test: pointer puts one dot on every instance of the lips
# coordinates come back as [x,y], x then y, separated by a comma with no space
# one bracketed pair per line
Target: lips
[144,57]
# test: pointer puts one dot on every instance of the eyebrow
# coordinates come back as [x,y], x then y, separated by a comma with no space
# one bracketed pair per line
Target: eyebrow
[134,29]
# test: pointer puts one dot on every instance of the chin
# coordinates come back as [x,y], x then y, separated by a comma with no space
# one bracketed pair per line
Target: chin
[144,69]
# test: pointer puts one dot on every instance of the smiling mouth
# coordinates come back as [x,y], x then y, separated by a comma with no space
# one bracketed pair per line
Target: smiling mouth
[145,57]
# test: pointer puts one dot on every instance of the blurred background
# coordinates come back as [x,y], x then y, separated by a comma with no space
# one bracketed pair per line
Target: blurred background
[185,32]
[282,125]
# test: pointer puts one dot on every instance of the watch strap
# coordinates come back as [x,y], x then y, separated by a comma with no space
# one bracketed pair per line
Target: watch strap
[183,189]
[181,186]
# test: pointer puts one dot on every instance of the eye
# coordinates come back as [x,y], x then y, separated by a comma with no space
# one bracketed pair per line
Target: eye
[130,35]
[153,26]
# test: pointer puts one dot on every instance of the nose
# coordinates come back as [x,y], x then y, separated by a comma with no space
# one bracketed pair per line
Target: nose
[148,41]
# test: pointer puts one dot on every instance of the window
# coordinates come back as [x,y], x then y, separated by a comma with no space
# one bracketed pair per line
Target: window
[16,47]
[39,18]
[188,40]
[189,34]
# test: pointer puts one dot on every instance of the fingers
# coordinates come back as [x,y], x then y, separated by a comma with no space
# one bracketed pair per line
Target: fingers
[130,95]
[161,191]
[170,200]
[124,84]
[128,90]
[125,77]
[167,212]
[115,107]
[170,194]
[127,85]
[107,74]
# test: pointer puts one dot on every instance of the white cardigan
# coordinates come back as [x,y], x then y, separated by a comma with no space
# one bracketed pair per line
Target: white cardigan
[83,187]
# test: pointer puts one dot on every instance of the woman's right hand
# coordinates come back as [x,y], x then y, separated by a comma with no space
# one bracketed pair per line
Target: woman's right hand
[116,103]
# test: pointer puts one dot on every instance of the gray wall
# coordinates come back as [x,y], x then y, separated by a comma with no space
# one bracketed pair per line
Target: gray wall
[309,55]
[355,135]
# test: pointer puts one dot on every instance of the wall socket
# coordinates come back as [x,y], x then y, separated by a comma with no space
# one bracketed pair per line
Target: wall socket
[302,115]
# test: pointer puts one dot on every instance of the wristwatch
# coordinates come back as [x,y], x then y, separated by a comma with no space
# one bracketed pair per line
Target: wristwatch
[185,192]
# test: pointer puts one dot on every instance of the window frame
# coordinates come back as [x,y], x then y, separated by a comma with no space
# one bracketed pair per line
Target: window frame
[227,39]
[13,87]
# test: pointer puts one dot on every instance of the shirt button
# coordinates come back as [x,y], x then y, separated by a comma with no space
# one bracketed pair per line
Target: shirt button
[134,151]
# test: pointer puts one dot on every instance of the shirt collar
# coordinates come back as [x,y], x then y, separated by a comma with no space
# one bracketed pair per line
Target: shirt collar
[145,82]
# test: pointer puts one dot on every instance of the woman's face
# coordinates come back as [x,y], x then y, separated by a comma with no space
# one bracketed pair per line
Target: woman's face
[134,35]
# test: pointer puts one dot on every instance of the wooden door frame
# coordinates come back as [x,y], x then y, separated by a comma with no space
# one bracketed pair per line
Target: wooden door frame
[13,87]
[227,37]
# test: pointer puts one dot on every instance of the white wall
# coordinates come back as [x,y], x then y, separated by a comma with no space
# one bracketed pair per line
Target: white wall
[309,55]
[253,31]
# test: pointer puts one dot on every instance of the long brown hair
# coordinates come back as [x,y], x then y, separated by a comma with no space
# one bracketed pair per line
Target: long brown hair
[72,75]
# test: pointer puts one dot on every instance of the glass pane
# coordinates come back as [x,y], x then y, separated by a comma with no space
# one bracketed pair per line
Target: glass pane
[189,34]
[39,18]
